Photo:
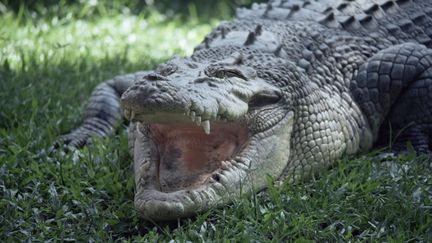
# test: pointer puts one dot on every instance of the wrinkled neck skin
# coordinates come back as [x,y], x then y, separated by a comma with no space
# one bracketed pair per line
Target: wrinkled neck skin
[206,128]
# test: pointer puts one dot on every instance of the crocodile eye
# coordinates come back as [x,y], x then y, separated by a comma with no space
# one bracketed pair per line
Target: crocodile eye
[264,98]
[155,77]
[166,69]
[228,73]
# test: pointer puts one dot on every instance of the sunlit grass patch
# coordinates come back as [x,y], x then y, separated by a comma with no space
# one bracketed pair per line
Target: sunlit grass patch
[120,36]
[52,64]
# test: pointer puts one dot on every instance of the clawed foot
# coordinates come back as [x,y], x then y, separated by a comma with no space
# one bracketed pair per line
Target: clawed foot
[73,140]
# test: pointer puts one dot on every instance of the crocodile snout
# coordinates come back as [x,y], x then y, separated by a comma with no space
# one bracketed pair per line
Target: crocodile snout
[148,97]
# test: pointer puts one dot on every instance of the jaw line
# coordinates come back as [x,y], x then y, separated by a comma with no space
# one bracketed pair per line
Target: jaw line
[240,176]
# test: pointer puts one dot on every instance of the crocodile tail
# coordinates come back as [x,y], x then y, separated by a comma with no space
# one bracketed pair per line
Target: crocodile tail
[103,112]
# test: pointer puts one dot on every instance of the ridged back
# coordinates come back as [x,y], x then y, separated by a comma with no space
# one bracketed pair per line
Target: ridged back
[405,20]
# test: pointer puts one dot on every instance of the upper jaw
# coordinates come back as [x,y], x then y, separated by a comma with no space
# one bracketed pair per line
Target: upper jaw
[186,117]
[201,98]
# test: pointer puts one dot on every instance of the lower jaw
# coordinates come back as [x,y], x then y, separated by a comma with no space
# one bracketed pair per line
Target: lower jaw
[157,203]
[219,188]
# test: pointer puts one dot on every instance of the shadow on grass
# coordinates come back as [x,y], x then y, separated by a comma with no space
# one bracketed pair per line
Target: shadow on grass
[90,189]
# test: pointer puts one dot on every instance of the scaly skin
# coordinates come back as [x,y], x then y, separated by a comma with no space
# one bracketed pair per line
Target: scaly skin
[284,90]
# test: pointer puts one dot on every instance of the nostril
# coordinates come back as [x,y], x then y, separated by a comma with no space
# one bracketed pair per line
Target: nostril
[216,177]
[126,98]
[200,80]
[155,77]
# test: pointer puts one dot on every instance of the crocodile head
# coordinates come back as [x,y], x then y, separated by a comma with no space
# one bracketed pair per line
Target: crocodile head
[203,133]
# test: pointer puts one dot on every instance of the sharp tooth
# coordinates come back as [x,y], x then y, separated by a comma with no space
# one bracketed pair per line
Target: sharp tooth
[244,161]
[192,115]
[139,127]
[127,113]
[198,120]
[132,116]
[206,126]
[225,165]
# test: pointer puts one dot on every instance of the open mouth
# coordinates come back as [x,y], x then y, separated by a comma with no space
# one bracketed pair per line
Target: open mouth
[186,157]
[183,167]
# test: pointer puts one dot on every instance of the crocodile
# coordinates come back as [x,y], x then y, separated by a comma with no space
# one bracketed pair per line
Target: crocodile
[282,91]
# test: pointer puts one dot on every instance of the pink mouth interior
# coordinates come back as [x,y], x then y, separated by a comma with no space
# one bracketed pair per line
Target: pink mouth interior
[187,156]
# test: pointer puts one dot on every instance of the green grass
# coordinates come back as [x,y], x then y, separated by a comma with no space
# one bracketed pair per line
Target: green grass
[48,67]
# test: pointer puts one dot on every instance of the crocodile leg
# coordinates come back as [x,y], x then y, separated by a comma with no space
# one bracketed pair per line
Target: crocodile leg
[394,91]
[411,116]
[103,111]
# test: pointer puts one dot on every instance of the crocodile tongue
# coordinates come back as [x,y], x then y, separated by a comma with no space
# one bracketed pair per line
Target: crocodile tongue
[187,156]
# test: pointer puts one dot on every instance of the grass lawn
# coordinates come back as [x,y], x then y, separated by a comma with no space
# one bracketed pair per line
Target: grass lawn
[48,67]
